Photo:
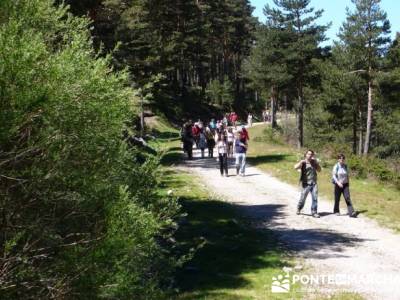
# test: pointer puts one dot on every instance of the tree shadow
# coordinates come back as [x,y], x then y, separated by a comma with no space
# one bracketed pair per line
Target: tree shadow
[270,158]
[230,243]
[226,247]
[325,213]
[172,156]
[361,211]
[165,135]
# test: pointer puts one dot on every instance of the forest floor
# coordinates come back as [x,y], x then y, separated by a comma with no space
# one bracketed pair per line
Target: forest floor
[332,254]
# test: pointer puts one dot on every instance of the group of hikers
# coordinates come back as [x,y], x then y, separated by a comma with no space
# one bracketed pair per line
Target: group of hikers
[225,135]
[230,140]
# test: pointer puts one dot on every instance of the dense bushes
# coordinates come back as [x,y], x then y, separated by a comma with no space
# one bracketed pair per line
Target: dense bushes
[80,217]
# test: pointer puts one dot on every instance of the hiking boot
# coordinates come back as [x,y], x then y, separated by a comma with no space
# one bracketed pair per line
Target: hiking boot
[315,215]
[298,212]
[337,214]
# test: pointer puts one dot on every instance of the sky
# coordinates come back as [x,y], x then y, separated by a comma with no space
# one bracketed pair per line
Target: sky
[335,12]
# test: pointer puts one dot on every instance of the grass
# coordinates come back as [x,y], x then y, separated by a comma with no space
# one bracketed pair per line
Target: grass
[373,198]
[229,258]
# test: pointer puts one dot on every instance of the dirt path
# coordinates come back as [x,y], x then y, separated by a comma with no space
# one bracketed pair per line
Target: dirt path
[364,257]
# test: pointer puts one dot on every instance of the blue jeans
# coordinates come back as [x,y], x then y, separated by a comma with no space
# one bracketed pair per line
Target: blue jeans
[313,188]
[240,163]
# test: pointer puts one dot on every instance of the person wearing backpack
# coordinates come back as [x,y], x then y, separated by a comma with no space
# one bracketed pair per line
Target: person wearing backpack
[202,142]
[309,167]
[240,153]
[210,142]
[340,178]
[187,139]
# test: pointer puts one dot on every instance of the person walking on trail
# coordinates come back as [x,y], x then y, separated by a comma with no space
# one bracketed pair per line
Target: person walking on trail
[264,115]
[196,133]
[250,120]
[309,167]
[222,147]
[202,142]
[340,178]
[234,118]
[187,139]
[225,121]
[240,152]
[210,142]
[218,125]
[212,125]
[230,139]
[244,133]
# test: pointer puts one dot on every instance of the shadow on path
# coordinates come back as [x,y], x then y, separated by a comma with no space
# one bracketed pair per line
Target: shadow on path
[272,158]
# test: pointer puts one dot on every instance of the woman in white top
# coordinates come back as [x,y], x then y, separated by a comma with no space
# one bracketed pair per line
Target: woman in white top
[230,139]
[250,119]
[340,178]
[222,148]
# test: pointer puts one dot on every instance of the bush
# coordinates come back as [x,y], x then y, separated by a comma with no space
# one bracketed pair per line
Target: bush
[271,135]
[79,214]
[363,167]
[331,150]
[357,166]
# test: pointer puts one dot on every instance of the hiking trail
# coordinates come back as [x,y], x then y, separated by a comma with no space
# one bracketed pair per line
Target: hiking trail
[330,245]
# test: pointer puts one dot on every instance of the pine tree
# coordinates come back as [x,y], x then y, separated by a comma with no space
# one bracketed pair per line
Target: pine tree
[298,19]
[364,33]
[266,66]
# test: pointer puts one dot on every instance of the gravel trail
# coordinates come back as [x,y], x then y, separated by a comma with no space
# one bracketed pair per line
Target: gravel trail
[331,245]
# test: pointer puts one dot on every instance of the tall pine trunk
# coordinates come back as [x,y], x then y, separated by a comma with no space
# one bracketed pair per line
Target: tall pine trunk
[273,106]
[300,118]
[355,129]
[360,126]
[369,118]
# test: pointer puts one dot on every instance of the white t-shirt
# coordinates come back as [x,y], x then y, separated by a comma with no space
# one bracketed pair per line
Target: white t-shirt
[222,147]
[230,137]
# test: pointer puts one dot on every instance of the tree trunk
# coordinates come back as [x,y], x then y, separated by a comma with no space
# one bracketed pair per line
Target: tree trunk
[355,129]
[369,118]
[273,107]
[141,117]
[360,125]
[286,109]
[300,118]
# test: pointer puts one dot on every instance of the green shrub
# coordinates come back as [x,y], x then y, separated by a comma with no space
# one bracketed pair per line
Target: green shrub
[332,150]
[357,166]
[271,135]
[79,213]
[363,167]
